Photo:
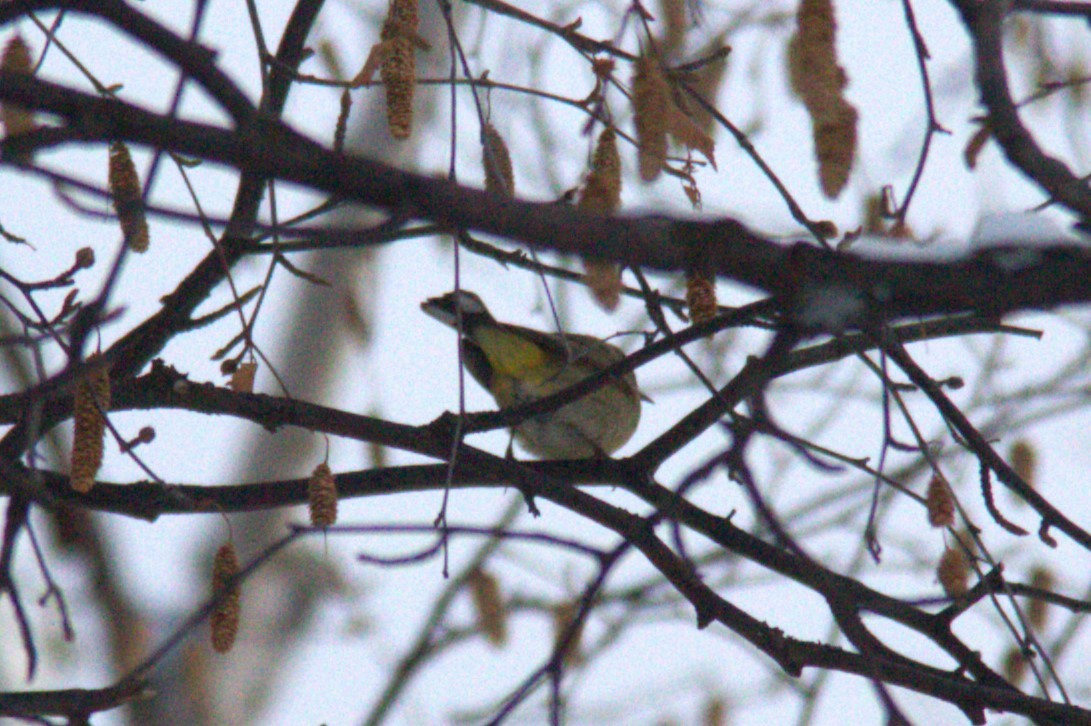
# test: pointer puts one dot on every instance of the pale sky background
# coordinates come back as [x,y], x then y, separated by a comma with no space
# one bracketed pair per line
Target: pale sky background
[410,370]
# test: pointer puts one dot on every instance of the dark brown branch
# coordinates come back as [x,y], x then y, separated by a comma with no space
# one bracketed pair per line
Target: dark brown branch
[15,519]
[194,60]
[792,655]
[992,281]
[75,703]
[934,127]
[1053,7]
[984,20]
[983,450]
[165,388]
[138,347]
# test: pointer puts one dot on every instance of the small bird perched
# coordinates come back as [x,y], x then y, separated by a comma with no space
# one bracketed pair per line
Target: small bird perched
[518,365]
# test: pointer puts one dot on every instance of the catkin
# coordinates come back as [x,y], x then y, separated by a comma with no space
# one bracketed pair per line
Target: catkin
[602,194]
[940,502]
[953,571]
[492,616]
[1038,608]
[399,79]
[499,177]
[1024,460]
[92,401]
[402,18]
[700,297]
[651,107]
[322,496]
[603,279]
[673,15]
[835,149]
[125,190]
[714,712]
[1015,665]
[817,78]
[225,616]
[399,69]
[16,119]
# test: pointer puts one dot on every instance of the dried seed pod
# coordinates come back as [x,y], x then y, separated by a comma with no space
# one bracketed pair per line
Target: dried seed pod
[651,109]
[17,120]
[564,615]
[953,571]
[225,616]
[700,297]
[92,401]
[826,228]
[85,258]
[499,178]
[322,496]
[242,378]
[1038,609]
[940,502]
[492,615]
[128,201]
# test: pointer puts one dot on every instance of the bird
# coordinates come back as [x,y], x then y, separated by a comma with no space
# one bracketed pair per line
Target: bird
[518,365]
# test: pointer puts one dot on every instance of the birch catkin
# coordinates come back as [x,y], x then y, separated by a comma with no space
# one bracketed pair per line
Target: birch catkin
[819,80]
[651,106]
[125,189]
[17,120]
[92,401]
[322,496]
[499,176]
[602,194]
[225,616]
[399,69]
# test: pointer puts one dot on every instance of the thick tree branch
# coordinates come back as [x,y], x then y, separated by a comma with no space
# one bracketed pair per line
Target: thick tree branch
[990,282]
[194,60]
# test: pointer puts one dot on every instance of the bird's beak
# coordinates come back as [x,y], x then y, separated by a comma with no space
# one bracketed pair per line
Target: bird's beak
[441,309]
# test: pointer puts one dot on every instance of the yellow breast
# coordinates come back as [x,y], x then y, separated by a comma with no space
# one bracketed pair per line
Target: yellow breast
[513,356]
